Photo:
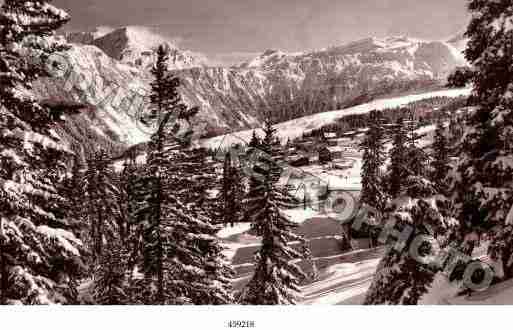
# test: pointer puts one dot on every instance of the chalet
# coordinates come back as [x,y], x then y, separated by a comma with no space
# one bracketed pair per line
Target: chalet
[336,152]
[330,135]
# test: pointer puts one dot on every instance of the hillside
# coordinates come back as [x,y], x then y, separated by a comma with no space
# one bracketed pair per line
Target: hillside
[295,128]
[108,73]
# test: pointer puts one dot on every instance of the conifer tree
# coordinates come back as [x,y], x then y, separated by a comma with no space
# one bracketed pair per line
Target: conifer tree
[255,141]
[198,179]
[111,280]
[401,277]
[482,185]
[104,213]
[127,196]
[440,164]
[73,188]
[182,259]
[39,254]
[233,192]
[131,194]
[417,206]
[416,158]
[276,277]
[374,156]
[397,169]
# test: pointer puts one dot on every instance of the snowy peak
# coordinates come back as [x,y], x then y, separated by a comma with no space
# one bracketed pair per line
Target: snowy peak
[457,44]
[397,43]
[127,42]
[235,98]
[136,45]
[268,58]
[393,57]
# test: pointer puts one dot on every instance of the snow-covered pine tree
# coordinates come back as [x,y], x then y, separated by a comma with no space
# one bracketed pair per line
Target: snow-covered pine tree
[104,212]
[110,275]
[397,170]
[276,277]
[73,188]
[130,195]
[252,152]
[199,183]
[255,141]
[483,180]
[182,258]
[416,158]
[374,156]
[418,206]
[188,172]
[233,192]
[39,254]
[440,158]
[127,196]
[402,277]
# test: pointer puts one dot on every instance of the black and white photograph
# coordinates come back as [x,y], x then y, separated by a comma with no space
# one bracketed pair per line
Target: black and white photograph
[240,154]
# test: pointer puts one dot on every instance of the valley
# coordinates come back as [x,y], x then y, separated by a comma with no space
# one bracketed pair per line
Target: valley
[109,75]
[276,158]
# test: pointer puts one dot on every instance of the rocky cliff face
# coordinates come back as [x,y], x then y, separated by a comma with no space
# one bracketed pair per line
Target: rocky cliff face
[306,83]
[135,45]
[110,76]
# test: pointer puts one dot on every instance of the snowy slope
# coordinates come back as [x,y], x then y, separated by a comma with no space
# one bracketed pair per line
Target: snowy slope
[295,128]
[344,283]
[111,91]
[396,57]
[235,98]
[106,77]
[499,294]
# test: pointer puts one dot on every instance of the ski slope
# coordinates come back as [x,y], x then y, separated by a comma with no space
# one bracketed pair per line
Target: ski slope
[295,128]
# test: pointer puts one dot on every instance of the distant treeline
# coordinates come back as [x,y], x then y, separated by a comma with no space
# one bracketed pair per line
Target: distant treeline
[422,111]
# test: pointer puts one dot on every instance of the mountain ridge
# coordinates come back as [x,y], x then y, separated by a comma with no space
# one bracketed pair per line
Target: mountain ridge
[285,85]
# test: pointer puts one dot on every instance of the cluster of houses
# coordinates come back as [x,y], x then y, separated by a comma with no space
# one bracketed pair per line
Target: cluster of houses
[324,148]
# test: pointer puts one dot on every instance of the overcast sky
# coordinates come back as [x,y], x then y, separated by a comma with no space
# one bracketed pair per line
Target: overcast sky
[237,28]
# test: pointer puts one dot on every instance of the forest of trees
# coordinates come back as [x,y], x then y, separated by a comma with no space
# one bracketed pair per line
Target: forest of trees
[420,111]
[461,190]
[148,234]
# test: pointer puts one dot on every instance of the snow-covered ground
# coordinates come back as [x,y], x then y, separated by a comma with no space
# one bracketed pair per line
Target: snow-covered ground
[338,179]
[295,128]
[348,276]
[346,282]
[499,294]
[346,180]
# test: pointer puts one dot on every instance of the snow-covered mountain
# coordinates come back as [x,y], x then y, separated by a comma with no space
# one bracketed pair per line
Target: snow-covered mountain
[136,45]
[319,81]
[375,58]
[109,72]
[457,44]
